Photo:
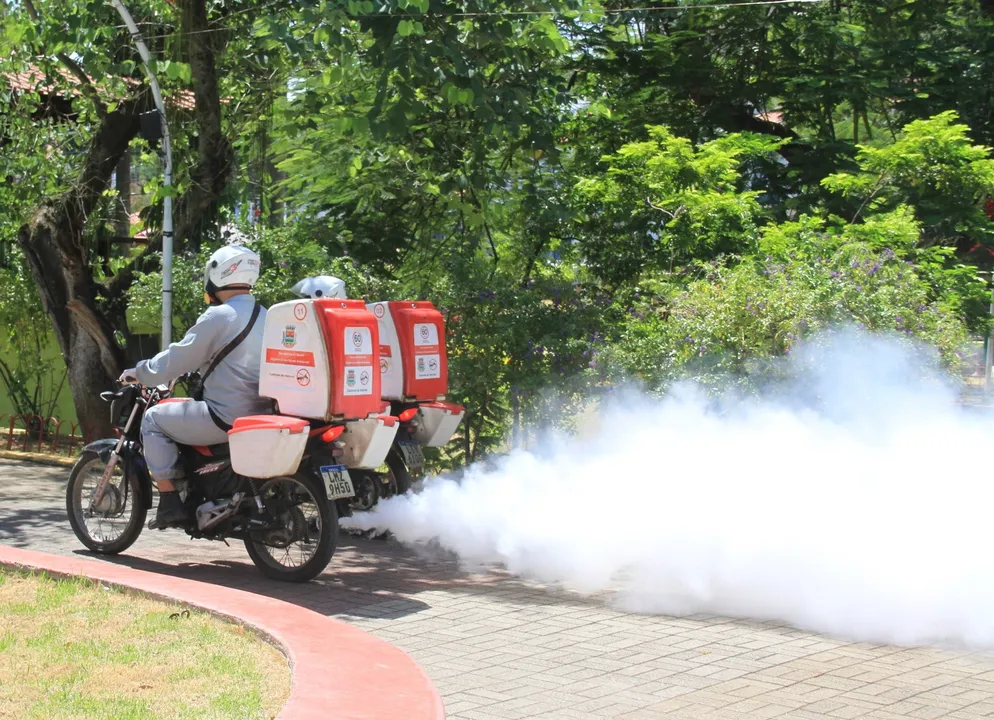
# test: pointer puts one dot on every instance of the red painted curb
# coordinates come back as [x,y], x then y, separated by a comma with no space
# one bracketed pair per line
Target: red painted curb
[339,671]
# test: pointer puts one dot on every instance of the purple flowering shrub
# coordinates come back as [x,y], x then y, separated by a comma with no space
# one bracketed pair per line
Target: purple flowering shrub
[737,314]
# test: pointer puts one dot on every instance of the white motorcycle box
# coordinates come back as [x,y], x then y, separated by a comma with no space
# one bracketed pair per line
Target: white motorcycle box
[413,362]
[436,423]
[320,359]
[367,442]
[267,446]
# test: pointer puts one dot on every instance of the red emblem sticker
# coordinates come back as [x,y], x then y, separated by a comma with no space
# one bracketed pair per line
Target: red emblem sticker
[378,311]
[303,378]
[300,311]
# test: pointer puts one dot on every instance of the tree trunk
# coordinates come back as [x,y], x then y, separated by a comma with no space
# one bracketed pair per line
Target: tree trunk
[57,257]
[54,243]
[122,216]
[55,248]
[210,176]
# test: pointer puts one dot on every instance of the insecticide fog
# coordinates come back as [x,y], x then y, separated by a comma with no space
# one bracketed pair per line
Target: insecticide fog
[855,498]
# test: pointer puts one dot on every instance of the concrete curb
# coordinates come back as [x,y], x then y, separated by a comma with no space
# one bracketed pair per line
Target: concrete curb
[39,458]
[338,671]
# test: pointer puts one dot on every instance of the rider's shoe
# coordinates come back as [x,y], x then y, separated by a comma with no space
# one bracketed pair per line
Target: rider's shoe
[171,512]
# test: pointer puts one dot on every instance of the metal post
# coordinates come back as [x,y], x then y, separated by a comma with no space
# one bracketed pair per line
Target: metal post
[989,360]
[167,182]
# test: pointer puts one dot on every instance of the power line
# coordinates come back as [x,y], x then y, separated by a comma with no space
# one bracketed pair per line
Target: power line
[616,11]
[524,13]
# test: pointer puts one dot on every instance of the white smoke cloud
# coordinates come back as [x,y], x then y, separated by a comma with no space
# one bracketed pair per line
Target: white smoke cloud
[854,499]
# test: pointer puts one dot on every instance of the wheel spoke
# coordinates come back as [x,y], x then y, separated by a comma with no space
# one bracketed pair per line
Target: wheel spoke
[109,521]
[298,508]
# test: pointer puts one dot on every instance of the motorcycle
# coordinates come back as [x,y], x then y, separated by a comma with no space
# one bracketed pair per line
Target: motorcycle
[406,459]
[405,464]
[289,525]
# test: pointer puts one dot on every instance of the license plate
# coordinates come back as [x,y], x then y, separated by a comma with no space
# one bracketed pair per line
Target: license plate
[413,455]
[337,483]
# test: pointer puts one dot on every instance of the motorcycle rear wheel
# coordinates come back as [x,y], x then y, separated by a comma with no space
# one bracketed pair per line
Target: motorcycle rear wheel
[399,474]
[308,512]
[123,506]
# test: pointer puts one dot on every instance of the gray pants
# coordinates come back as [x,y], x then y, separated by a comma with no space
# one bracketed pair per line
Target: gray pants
[186,423]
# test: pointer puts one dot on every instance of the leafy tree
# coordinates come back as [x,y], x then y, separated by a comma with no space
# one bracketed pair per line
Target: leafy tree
[72,55]
[734,320]
[663,202]
[934,168]
[507,161]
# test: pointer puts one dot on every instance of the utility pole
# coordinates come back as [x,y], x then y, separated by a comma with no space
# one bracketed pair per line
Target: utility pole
[989,360]
[167,182]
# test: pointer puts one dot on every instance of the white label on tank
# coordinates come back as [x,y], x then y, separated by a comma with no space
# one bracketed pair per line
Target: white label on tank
[427,367]
[358,380]
[358,341]
[425,334]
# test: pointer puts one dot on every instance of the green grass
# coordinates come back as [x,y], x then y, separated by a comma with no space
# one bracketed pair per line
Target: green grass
[74,649]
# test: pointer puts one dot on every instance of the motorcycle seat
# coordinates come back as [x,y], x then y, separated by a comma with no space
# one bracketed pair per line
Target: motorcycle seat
[221,450]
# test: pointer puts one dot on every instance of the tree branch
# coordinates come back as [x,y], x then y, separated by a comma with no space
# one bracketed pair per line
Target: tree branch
[210,176]
[672,215]
[486,228]
[116,286]
[73,67]
[878,186]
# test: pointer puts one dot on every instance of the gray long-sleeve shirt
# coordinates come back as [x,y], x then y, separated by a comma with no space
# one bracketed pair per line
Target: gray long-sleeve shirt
[232,390]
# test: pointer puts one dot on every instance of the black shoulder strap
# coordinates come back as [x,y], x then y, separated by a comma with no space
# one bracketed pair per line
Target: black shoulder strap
[230,347]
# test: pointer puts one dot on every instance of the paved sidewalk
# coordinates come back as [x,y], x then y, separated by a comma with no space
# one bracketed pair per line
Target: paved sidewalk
[498,648]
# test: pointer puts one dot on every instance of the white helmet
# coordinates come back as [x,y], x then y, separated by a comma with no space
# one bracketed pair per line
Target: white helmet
[320,286]
[231,267]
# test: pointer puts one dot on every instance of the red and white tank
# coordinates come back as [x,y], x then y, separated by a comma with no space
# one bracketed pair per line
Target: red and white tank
[321,359]
[414,366]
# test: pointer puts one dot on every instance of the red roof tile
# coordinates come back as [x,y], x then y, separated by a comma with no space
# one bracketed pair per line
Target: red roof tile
[35,79]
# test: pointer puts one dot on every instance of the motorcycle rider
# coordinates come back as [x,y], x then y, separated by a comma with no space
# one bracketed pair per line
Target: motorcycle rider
[320,286]
[225,346]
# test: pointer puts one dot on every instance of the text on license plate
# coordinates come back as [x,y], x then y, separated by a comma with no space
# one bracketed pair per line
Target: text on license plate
[414,456]
[337,482]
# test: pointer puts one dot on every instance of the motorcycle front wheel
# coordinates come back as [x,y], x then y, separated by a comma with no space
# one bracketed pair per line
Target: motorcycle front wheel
[302,544]
[114,525]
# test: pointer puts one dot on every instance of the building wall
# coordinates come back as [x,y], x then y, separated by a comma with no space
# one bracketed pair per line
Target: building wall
[64,408]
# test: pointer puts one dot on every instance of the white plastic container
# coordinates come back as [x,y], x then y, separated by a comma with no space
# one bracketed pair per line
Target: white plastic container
[414,365]
[320,359]
[391,364]
[368,441]
[267,446]
[436,423]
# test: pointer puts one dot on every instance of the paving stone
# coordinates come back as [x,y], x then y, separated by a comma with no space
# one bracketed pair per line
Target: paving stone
[499,648]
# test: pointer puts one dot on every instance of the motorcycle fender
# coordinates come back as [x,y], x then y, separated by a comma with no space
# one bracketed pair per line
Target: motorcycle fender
[136,464]
[104,448]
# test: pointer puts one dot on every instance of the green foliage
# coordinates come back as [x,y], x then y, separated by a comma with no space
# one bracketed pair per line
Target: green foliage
[511,165]
[737,317]
[933,167]
[31,377]
[287,254]
[662,202]
[515,347]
